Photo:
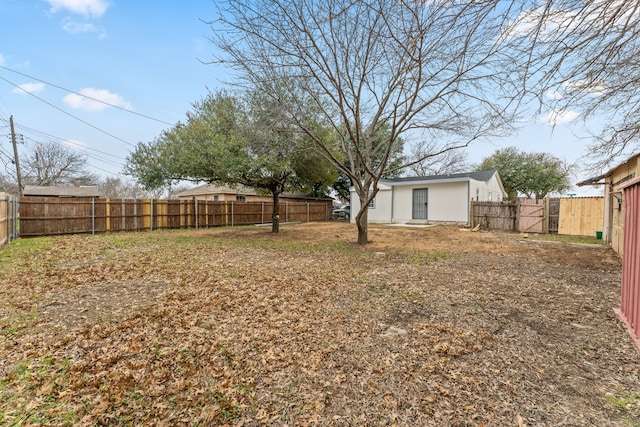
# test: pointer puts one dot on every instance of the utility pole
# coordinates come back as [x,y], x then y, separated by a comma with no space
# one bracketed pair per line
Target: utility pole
[15,156]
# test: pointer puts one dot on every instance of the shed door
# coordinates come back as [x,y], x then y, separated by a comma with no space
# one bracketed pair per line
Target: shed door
[420,203]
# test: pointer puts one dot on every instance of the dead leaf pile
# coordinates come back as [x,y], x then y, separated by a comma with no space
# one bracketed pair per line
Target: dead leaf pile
[241,327]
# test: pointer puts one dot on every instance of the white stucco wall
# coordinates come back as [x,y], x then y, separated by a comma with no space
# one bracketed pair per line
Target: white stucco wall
[489,191]
[448,201]
[381,210]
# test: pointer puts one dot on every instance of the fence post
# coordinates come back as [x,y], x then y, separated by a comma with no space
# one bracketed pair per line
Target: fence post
[262,214]
[307,211]
[545,219]
[93,215]
[232,218]
[517,220]
[135,214]
[107,214]
[472,215]
[151,215]
[286,212]
[16,206]
[8,218]
[196,211]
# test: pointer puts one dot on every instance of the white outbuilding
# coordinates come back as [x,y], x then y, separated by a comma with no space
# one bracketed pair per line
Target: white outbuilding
[431,199]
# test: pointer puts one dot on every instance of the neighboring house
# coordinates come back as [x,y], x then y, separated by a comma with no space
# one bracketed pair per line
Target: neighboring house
[614,182]
[241,194]
[431,199]
[51,191]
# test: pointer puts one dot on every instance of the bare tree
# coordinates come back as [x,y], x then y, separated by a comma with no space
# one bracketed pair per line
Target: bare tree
[582,60]
[124,189]
[53,164]
[454,161]
[426,70]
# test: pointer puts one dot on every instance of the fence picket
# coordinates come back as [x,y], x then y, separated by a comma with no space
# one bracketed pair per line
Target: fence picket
[578,216]
[42,216]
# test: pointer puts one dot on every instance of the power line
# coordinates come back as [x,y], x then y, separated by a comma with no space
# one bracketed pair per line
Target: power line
[86,96]
[64,140]
[68,114]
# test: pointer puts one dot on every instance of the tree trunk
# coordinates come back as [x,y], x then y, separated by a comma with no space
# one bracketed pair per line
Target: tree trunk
[275,216]
[362,221]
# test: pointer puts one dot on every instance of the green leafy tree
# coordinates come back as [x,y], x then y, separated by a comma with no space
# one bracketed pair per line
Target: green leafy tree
[232,141]
[530,174]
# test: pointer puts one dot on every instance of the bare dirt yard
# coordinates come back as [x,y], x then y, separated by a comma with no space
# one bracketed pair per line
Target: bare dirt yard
[422,327]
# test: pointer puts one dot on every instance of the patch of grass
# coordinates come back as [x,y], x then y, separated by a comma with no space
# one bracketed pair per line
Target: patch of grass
[41,378]
[626,401]
[565,239]
[586,347]
[18,247]
[416,257]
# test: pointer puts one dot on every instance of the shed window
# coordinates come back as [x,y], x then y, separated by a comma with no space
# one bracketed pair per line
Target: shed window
[240,198]
[372,203]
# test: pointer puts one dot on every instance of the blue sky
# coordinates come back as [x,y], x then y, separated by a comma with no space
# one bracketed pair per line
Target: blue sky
[146,58]
[141,56]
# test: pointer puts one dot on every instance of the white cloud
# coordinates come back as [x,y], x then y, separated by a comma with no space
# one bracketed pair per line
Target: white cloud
[87,8]
[1,59]
[23,89]
[78,27]
[554,95]
[90,98]
[559,117]
[596,88]
[559,22]
[528,23]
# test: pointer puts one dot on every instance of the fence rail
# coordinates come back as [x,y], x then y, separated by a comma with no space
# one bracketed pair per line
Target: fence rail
[41,216]
[579,216]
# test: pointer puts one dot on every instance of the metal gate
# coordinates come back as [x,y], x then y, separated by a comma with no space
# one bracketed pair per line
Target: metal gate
[629,311]
[420,203]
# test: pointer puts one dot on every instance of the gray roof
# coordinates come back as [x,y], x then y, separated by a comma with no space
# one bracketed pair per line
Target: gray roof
[210,189]
[213,189]
[478,176]
[51,191]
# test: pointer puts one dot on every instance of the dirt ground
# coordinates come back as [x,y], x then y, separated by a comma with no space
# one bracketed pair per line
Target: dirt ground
[435,326]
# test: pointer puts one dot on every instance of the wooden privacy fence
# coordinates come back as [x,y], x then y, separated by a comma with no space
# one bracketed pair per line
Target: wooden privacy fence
[579,216]
[41,216]
[8,218]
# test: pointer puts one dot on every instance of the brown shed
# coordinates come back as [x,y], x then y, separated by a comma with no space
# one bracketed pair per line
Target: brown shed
[614,181]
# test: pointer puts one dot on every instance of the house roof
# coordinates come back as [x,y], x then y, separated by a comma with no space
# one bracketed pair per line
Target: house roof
[484,176]
[51,191]
[214,189]
[598,180]
[210,189]
[478,176]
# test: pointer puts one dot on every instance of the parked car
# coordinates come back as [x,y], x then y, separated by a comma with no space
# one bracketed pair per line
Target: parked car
[344,212]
